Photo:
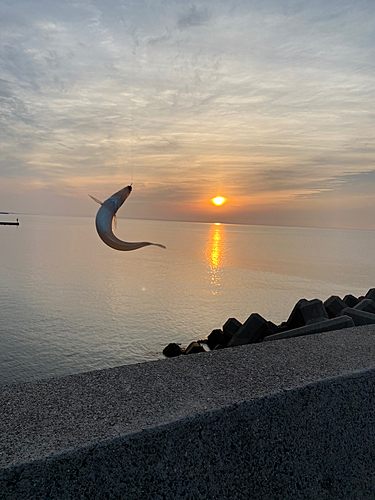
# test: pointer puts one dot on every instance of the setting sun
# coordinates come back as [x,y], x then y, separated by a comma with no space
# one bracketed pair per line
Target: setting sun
[219,200]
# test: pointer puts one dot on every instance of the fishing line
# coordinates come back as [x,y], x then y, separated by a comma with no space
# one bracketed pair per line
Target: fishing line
[133,60]
[132,140]
[132,146]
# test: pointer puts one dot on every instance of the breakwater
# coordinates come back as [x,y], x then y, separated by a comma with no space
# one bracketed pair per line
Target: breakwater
[287,419]
[308,317]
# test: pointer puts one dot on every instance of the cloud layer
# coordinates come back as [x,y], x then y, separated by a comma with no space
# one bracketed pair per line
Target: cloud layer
[268,102]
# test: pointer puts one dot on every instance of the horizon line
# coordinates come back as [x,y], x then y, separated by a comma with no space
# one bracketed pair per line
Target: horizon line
[200,222]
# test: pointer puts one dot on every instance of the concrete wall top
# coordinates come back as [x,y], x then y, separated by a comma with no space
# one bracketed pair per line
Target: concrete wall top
[49,417]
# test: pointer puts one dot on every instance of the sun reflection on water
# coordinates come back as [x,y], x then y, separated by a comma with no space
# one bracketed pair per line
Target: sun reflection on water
[215,255]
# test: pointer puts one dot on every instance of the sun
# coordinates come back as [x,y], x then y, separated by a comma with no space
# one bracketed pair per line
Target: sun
[219,200]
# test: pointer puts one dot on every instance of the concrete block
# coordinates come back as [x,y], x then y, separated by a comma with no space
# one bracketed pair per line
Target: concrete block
[370,294]
[313,311]
[306,312]
[282,326]
[328,325]
[231,326]
[217,337]
[334,305]
[366,305]
[350,300]
[295,319]
[272,329]
[253,330]
[359,317]
[172,350]
[193,348]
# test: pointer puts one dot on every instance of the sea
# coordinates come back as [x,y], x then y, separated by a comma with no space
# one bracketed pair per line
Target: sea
[70,304]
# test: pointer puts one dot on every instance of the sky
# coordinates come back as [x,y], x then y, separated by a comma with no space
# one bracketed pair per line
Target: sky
[269,103]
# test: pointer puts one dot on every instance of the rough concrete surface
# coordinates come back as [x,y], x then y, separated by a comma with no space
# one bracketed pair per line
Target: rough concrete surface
[327,325]
[287,419]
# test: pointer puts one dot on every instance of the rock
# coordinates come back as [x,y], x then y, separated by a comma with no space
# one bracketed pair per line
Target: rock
[351,301]
[370,294]
[194,348]
[366,305]
[327,325]
[217,337]
[217,347]
[172,350]
[334,305]
[253,330]
[231,326]
[359,317]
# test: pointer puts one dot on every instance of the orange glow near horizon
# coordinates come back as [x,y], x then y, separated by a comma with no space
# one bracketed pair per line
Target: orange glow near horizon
[219,200]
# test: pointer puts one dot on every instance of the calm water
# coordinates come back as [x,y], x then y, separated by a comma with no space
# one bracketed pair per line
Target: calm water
[70,304]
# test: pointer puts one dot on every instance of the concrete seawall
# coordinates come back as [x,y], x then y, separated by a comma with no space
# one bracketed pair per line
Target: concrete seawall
[288,419]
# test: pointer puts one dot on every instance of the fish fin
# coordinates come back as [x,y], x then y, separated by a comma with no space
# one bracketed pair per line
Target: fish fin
[95,199]
[158,245]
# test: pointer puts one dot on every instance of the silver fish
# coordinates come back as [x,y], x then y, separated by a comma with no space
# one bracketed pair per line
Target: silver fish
[107,213]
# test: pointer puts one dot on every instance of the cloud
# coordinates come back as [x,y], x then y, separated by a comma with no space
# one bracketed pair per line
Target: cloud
[356,183]
[194,17]
[261,97]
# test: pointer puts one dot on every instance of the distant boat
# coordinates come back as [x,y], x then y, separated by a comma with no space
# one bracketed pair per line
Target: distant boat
[10,223]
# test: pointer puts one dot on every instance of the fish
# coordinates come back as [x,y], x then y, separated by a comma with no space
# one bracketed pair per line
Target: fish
[107,213]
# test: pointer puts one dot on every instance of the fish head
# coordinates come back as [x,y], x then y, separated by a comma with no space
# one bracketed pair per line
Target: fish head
[118,199]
